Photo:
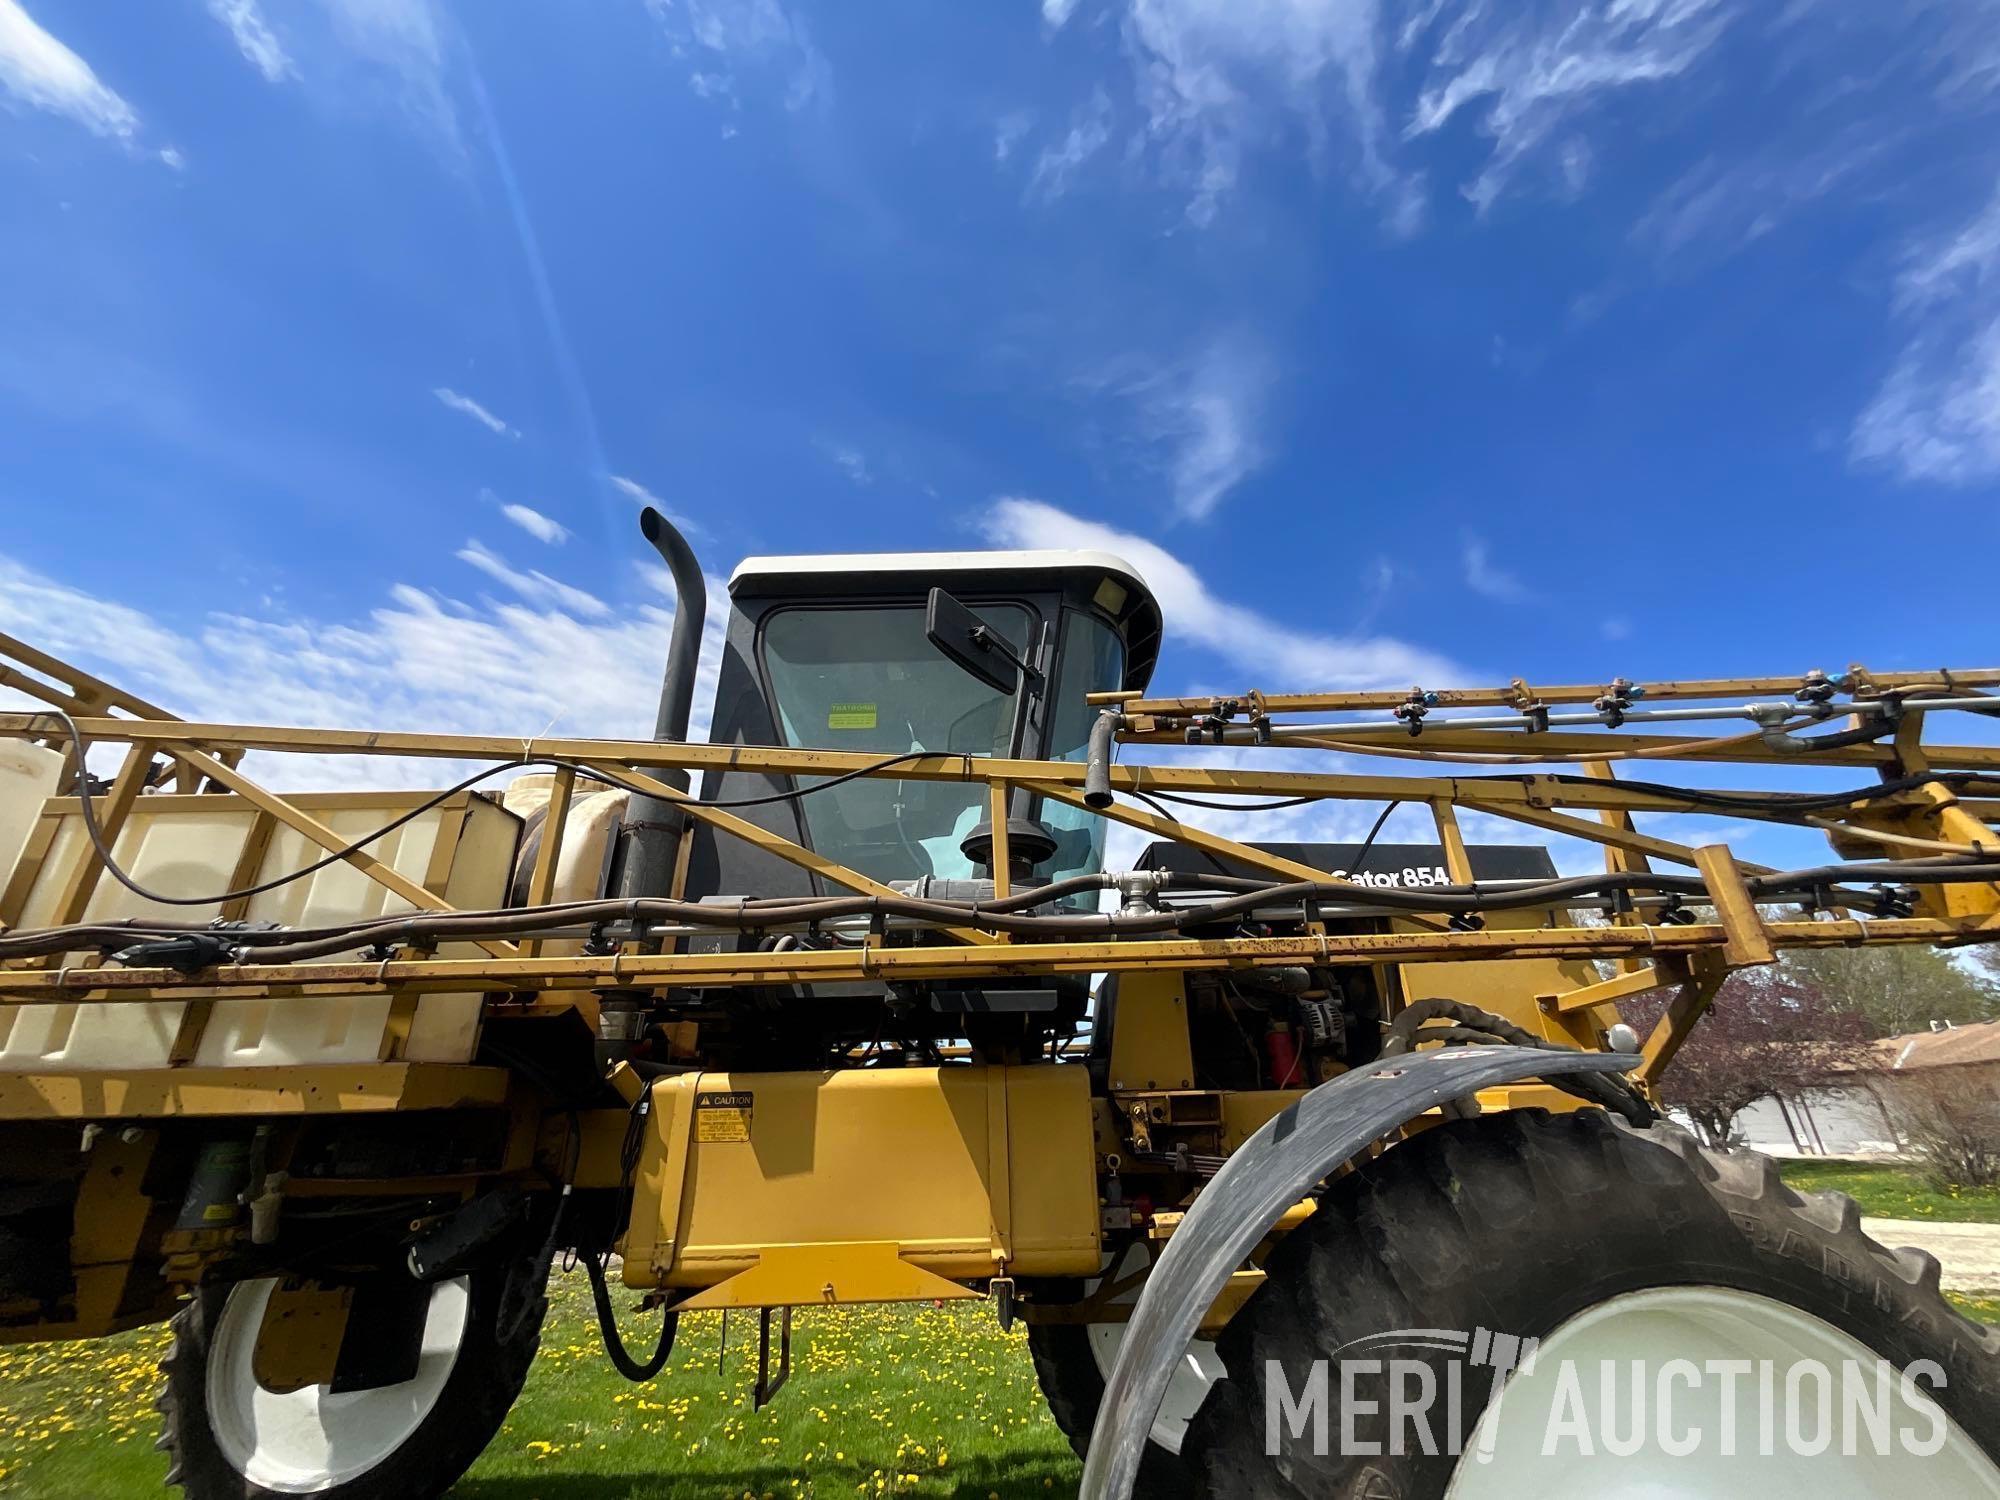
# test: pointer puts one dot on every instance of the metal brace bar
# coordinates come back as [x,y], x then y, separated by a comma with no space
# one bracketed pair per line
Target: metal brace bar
[767,1387]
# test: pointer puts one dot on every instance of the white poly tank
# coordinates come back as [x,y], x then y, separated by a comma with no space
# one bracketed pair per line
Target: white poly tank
[193,844]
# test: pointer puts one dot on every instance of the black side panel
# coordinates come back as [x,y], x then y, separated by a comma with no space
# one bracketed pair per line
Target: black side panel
[1386,864]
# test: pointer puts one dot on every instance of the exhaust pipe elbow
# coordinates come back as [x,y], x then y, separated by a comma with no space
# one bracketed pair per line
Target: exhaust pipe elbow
[1097,763]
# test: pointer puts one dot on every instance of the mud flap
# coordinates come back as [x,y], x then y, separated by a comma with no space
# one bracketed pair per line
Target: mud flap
[1274,1169]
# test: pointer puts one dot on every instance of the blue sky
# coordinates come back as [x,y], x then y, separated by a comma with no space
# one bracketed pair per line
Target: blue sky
[1395,342]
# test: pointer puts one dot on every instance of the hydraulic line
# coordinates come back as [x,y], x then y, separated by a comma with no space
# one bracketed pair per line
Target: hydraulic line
[1826,884]
[1469,1025]
[1008,915]
[614,1345]
[80,745]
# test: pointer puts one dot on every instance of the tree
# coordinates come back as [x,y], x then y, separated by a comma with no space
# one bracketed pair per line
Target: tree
[1899,989]
[1768,1035]
[1987,957]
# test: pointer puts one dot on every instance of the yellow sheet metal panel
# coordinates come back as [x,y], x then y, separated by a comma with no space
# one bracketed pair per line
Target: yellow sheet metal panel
[192,845]
[1150,1047]
[298,1342]
[966,1171]
[839,1274]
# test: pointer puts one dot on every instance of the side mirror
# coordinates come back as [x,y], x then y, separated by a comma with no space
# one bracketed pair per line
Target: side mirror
[970,642]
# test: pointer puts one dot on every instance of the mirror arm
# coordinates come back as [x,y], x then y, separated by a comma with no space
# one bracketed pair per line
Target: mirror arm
[989,639]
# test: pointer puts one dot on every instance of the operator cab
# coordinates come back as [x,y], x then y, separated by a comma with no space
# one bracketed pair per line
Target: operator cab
[849,653]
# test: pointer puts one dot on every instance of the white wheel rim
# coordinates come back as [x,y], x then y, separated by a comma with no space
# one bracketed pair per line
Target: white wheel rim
[1699,1324]
[310,1439]
[1199,1368]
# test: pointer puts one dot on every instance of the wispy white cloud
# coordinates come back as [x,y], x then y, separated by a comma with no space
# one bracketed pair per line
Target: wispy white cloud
[1727,201]
[374,54]
[1057,166]
[1485,577]
[404,39]
[852,462]
[633,490]
[1246,639]
[534,586]
[1963,262]
[474,410]
[712,85]
[1215,78]
[1358,82]
[420,660]
[1937,414]
[41,72]
[254,38]
[1058,12]
[1009,131]
[542,528]
[1199,420]
[754,35]
[1529,72]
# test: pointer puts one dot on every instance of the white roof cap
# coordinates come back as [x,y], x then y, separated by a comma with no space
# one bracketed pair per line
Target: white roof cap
[934,562]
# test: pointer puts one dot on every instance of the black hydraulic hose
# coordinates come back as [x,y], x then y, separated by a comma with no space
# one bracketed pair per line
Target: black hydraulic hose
[998,915]
[80,744]
[1959,781]
[1779,802]
[1468,1024]
[1825,884]
[117,872]
[607,1325]
[1786,743]
[629,1154]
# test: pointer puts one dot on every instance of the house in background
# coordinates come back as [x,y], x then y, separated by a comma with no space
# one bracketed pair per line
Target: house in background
[1860,1118]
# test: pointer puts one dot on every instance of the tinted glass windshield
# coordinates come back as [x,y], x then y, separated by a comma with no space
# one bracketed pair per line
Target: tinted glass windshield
[868,680]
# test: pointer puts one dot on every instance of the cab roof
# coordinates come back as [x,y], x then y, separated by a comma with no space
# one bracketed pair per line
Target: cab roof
[1102,579]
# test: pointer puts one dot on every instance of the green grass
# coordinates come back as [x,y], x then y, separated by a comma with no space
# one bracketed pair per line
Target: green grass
[1887,1191]
[1985,1309]
[930,1401]
[927,1401]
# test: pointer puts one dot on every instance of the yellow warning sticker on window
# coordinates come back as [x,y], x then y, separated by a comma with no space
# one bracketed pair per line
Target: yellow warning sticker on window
[720,1118]
[850,716]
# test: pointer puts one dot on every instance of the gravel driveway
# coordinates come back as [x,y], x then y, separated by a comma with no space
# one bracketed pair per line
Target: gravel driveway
[1969,1253]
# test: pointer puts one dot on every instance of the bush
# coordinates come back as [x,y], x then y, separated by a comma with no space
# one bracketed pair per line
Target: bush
[1953,1129]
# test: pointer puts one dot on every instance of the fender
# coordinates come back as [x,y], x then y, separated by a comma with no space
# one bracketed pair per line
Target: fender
[1271,1171]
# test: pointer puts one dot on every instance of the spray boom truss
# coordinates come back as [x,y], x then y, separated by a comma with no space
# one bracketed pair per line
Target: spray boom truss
[1912,824]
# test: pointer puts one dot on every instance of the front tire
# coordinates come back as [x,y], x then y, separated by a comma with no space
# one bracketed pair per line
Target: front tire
[1072,1362]
[228,1438]
[1605,1243]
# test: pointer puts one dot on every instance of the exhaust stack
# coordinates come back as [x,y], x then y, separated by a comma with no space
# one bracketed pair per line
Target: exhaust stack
[655,828]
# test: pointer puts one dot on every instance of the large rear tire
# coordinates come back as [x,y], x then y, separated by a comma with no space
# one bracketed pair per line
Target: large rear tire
[228,1438]
[1606,1243]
